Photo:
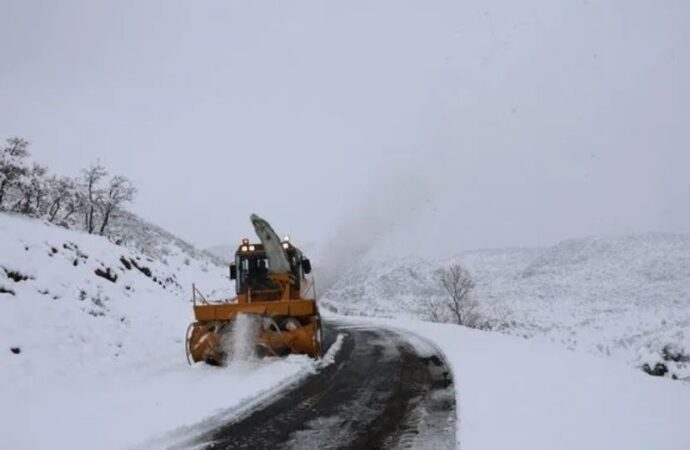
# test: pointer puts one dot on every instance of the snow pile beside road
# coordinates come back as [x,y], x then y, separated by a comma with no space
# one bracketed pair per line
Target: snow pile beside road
[524,394]
[627,298]
[137,406]
[92,340]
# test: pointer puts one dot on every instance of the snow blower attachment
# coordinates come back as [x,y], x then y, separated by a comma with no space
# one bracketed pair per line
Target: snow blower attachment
[272,286]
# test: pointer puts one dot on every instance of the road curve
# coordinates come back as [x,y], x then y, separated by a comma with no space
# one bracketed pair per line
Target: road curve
[379,393]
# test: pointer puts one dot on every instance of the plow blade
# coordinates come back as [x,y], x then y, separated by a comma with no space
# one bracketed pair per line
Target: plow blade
[283,328]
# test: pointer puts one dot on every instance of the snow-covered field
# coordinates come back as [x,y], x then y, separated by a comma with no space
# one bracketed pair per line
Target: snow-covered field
[100,363]
[627,298]
[515,393]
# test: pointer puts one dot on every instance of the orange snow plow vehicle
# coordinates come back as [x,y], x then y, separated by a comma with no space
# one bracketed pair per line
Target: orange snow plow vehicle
[273,290]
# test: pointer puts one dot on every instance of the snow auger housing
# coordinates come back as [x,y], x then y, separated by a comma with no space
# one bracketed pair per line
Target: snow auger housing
[271,284]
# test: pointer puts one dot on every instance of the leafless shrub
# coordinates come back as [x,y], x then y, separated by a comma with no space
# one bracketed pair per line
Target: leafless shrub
[458,284]
[92,193]
[459,305]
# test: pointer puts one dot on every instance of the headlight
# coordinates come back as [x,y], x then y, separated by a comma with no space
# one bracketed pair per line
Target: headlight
[286,245]
[252,248]
[243,248]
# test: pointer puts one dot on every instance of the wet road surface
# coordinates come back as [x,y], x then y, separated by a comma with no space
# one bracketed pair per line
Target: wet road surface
[381,392]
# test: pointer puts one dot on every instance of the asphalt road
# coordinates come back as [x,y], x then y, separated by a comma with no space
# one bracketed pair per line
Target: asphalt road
[379,393]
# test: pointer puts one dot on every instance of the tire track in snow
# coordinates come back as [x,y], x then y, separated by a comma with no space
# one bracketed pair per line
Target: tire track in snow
[378,393]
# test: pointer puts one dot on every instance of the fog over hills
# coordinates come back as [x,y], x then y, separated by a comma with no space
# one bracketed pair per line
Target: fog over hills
[625,297]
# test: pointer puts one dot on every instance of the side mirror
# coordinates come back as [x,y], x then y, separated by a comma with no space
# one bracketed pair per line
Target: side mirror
[233,271]
[306,265]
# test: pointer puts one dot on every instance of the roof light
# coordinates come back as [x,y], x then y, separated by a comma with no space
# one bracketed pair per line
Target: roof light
[286,238]
[245,241]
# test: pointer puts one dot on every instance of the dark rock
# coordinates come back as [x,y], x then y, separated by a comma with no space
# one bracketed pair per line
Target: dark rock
[107,274]
[15,275]
[659,369]
[126,263]
[4,290]
[671,353]
[145,270]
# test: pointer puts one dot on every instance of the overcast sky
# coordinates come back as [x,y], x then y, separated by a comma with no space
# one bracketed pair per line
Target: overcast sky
[508,123]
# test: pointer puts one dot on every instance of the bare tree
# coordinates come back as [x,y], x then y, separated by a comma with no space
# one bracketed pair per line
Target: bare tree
[61,198]
[119,191]
[17,147]
[92,194]
[458,283]
[28,189]
[12,165]
[31,189]
[39,186]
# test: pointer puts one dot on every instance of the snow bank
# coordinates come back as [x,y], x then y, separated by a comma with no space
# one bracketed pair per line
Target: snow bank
[127,408]
[524,394]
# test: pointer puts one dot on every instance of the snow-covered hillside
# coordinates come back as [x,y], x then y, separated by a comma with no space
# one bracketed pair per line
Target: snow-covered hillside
[132,231]
[624,297]
[92,339]
[92,298]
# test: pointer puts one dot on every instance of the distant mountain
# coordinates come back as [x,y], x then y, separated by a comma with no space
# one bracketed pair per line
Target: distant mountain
[224,252]
[627,297]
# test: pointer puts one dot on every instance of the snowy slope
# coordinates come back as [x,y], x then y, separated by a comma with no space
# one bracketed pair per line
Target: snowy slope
[57,294]
[91,362]
[623,297]
[132,231]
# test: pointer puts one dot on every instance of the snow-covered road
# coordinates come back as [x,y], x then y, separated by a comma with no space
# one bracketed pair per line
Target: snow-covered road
[379,392]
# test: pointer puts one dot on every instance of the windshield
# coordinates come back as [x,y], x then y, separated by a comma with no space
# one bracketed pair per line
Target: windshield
[250,268]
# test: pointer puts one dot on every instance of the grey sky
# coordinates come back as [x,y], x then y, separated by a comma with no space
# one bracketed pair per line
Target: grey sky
[510,124]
